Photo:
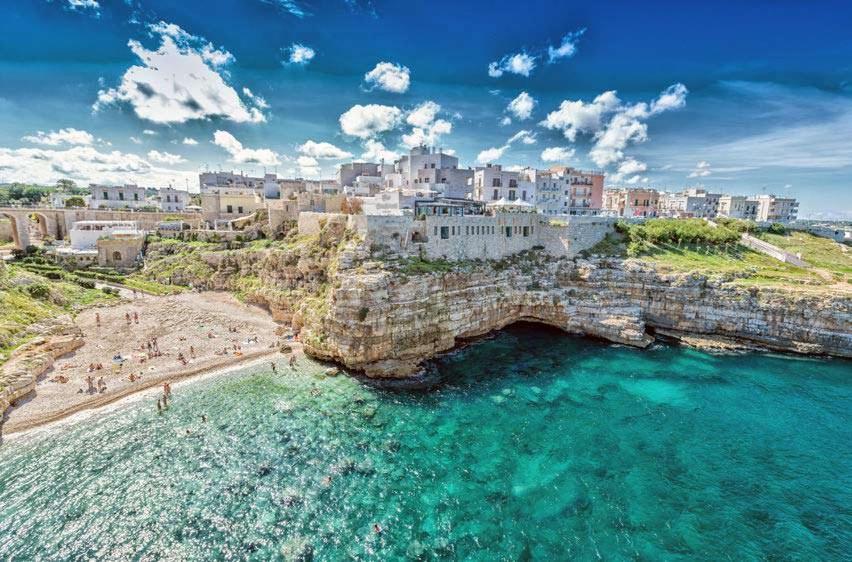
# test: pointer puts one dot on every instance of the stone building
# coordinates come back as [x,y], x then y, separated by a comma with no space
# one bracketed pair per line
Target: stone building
[117,197]
[632,202]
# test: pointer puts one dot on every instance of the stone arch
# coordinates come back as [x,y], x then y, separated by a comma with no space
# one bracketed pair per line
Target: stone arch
[116,256]
[20,232]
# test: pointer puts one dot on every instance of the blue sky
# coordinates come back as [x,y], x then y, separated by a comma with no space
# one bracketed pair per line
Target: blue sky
[741,97]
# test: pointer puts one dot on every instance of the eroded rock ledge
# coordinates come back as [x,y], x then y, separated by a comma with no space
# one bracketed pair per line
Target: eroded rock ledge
[386,324]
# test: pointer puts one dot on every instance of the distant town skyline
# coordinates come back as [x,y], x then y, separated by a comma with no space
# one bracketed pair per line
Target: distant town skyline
[729,96]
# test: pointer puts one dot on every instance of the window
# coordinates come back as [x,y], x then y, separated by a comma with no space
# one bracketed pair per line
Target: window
[495,195]
[106,195]
[240,210]
[136,197]
[467,230]
[230,209]
[524,195]
[495,182]
[445,232]
[512,196]
[513,183]
[508,232]
[121,196]
[526,231]
[432,166]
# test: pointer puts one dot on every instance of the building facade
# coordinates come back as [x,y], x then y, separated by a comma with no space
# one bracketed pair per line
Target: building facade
[117,197]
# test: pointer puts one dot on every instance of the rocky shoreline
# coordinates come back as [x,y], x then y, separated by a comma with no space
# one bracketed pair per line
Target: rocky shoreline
[369,312]
[616,300]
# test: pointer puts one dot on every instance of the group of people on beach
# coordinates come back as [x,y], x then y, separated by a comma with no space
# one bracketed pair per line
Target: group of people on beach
[90,382]
[163,401]
[131,319]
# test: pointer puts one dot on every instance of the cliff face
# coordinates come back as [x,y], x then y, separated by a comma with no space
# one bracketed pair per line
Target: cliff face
[386,325]
[386,318]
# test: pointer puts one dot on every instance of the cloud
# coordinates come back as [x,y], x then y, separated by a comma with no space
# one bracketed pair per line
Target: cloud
[308,166]
[165,157]
[522,106]
[242,155]
[567,48]
[135,140]
[518,63]
[258,101]
[85,5]
[505,121]
[557,154]
[577,116]
[149,132]
[366,121]
[69,136]
[86,164]
[613,124]
[491,154]
[632,168]
[702,170]
[178,82]
[375,151]
[495,153]
[290,6]
[526,137]
[389,77]
[426,129]
[189,141]
[323,150]
[298,54]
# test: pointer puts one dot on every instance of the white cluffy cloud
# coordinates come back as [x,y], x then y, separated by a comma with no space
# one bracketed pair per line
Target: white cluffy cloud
[85,164]
[567,48]
[366,121]
[242,155]
[518,63]
[69,136]
[85,5]
[425,128]
[629,171]
[375,151]
[165,157]
[308,167]
[190,141]
[613,124]
[557,154]
[495,153]
[298,54]
[389,77]
[179,82]
[323,150]
[522,106]
[702,170]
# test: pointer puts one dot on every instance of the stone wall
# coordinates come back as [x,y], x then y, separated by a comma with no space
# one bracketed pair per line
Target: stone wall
[5,230]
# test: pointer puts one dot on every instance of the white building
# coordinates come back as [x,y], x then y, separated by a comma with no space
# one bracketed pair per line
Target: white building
[693,202]
[776,209]
[738,207]
[172,199]
[85,234]
[492,183]
[117,197]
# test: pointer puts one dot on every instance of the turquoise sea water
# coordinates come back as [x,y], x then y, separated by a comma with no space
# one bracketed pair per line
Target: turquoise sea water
[537,446]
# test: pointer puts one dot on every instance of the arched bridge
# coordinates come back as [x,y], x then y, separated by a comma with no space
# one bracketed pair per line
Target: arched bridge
[56,223]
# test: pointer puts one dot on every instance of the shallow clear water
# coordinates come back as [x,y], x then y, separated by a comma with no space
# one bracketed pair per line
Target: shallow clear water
[539,446]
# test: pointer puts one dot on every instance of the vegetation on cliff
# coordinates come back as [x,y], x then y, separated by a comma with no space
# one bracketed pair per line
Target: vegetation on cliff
[29,299]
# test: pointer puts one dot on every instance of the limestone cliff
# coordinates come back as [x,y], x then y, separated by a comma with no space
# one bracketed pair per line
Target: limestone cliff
[386,324]
[384,317]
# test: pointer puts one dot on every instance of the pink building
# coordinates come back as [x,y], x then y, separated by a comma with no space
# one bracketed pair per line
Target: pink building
[632,202]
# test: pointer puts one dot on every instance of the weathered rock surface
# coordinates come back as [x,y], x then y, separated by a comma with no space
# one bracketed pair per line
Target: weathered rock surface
[19,375]
[385,320]
[386,324]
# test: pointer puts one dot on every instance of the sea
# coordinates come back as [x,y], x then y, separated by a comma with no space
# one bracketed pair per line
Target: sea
[527,445]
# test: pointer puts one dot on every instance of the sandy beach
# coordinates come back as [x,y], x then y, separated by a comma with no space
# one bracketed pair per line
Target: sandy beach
[212,331]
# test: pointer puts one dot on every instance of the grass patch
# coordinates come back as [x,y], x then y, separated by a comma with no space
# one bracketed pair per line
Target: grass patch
[817,251]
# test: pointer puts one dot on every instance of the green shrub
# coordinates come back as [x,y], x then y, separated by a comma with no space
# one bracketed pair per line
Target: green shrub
[777,228]
[38,290]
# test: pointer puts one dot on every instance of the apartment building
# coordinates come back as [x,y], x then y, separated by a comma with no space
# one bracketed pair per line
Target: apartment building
[117,197]
[738,207]
[776,209]
[172,199]
[632,202]
[492,183]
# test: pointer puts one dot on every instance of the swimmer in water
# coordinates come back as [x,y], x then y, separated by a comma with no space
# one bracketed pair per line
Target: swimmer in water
[377,528]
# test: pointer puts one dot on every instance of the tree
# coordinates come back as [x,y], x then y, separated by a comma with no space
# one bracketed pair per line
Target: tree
[75,202]
[65,185]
